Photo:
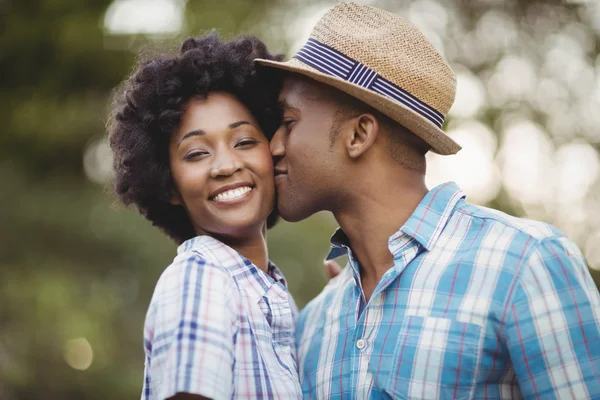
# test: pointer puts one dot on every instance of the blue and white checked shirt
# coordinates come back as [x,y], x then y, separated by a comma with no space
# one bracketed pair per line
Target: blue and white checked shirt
[219,327]
[478,305]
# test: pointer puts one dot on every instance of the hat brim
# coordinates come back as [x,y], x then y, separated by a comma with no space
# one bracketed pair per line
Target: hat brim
[439,141]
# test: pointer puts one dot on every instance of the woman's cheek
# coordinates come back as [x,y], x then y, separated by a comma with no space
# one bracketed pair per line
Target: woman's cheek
[193,182]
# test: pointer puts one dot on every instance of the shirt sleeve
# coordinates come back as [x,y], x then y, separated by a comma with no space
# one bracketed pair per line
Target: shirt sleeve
[553,325]
[190,331]
[146,393]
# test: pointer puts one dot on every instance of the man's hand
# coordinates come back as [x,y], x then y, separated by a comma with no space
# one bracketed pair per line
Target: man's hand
[333,268]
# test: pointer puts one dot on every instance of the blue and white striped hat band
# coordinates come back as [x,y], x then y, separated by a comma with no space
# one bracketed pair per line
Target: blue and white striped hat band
[329,61]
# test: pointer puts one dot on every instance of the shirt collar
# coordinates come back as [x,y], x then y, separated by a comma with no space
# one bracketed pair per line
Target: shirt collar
[424,225]
[256,282]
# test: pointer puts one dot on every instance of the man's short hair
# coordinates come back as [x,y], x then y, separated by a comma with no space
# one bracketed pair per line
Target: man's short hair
[405,147]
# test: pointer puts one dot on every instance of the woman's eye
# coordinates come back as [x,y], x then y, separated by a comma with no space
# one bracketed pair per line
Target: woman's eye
[245,142]
[195,155]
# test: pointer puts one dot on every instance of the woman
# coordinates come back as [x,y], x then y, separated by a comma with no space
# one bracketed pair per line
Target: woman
[190,142]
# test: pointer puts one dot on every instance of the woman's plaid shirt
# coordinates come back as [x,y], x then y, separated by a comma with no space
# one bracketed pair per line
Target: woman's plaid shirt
[478,305]
[219,327]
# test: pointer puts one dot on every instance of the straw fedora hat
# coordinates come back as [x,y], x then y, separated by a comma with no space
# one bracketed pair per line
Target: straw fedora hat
[384,61]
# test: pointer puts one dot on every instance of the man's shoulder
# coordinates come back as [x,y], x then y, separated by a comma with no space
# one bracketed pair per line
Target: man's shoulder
[518,238]
[510,225]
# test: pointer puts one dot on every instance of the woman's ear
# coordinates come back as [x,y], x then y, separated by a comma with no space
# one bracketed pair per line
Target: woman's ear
[175,197]
[365,129]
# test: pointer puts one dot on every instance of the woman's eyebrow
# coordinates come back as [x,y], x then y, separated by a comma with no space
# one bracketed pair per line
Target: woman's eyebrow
[239,123]
[198,132]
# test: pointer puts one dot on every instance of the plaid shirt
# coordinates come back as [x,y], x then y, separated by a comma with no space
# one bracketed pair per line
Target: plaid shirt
[478,304]
[219,327]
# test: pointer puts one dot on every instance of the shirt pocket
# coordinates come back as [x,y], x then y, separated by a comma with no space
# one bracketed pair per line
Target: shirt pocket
[434,358]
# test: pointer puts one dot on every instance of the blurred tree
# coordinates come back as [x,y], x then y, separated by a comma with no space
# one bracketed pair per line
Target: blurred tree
[72,265]
[77,273]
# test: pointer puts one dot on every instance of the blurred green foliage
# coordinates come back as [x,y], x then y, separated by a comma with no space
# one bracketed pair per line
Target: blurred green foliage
[72,263]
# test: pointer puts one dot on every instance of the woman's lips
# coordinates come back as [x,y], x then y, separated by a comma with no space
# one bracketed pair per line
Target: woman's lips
[233,196]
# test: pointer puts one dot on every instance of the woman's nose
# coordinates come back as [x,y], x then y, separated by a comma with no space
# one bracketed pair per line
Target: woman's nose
[225,165]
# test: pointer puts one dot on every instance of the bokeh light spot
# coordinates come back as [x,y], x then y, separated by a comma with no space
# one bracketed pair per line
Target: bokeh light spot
[592,251]
[576,170]
[473,168]
[526,163]
[78,353]
[97,162]
[144,17]
[470,95]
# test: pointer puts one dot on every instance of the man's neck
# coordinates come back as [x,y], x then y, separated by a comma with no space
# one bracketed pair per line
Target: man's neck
[376,213]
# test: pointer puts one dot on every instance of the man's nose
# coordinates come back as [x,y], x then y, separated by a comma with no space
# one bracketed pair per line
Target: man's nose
[225,164]
[277,146]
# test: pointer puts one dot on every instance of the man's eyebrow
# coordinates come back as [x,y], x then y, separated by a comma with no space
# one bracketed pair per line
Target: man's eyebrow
[198,132]
[284,105]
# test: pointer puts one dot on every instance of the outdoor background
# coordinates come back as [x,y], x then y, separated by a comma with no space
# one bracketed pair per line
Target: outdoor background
[77,271]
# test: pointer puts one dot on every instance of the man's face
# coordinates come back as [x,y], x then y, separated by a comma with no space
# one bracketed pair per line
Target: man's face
[305,166]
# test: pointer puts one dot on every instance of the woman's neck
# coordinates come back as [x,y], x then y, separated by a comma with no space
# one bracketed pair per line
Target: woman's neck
[253,247]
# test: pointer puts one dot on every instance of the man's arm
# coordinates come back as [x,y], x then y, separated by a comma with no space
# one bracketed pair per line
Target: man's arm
[552,327]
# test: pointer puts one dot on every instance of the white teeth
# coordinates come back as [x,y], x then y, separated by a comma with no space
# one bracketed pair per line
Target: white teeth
[233,193]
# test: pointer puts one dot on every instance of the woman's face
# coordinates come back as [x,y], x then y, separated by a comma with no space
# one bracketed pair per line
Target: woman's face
[222,167]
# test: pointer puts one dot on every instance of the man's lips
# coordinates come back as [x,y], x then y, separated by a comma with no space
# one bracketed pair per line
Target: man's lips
[280,177]
[280,171]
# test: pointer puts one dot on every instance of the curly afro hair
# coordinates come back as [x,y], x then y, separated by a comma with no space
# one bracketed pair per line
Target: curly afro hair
[150,106]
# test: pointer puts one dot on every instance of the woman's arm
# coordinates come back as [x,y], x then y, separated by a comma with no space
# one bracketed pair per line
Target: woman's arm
[190,329]
[187,396]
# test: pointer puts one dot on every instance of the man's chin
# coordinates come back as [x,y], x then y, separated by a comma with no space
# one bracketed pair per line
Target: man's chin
[291,218]
[292,214]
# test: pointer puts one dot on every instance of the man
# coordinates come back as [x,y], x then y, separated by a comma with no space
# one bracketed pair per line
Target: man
[440,298]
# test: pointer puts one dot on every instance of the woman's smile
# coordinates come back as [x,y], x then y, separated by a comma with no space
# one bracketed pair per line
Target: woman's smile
[233,196]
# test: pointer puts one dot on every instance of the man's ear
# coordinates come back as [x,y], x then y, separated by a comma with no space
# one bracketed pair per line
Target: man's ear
[365,129]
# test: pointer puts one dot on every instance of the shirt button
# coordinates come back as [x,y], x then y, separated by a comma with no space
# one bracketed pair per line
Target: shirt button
[360,344]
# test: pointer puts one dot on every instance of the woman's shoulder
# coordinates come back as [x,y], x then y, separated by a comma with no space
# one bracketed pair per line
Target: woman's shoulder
[192,270]
[192,293]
